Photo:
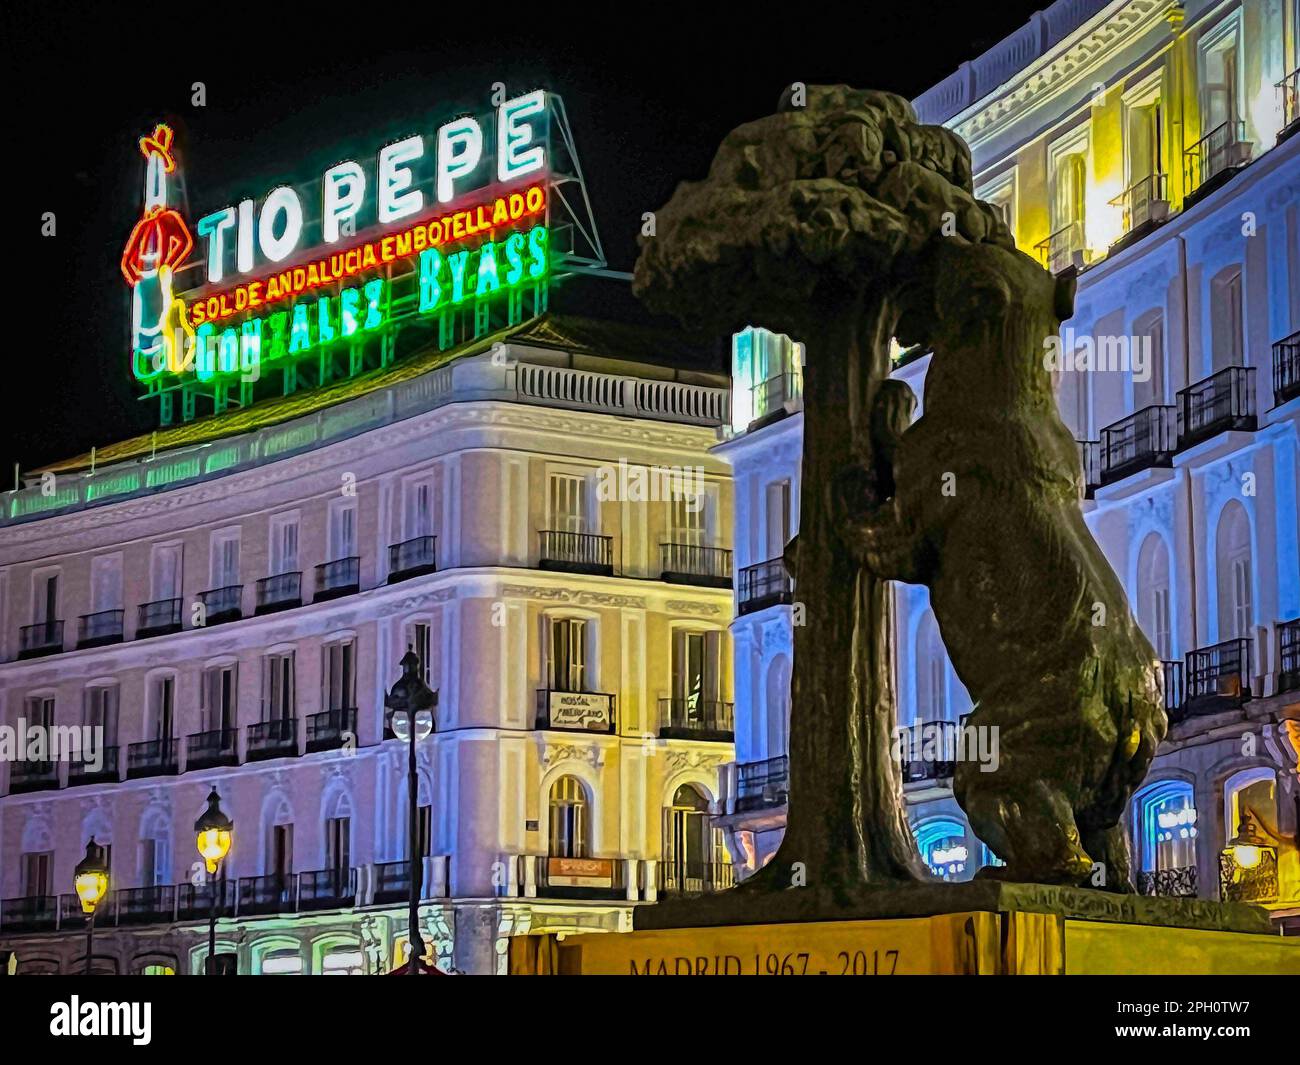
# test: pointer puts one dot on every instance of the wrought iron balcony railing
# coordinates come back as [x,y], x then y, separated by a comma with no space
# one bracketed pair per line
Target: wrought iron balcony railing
[100,628]
[331,728]
[677,877]
[764,584]
[1288,655]
[151,758]
[283,591]
[42,638]
[204,750]
[272,893]
[576,552]
[146,905]
[1090,460]
[779,393]
[572,711]
[326,889]
[33,775]
[85,771]
[695,564]
[1144,439]
[194,901]
[1286,369]
[690,718]
[392,881]
[223,604]
[1258,884]
[158,618]
[412,558]
[1289,93]
[1063,249]
[762,785]
[1220,150]
[1223,401]
[338,578]
[1143,202]
[32,913]
[928,750]
[276,738]
[1168,883]
[1218,677]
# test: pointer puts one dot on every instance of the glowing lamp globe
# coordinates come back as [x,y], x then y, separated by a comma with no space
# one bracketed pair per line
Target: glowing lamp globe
[214,831]
[1247,846]
[411,700]
[91,877]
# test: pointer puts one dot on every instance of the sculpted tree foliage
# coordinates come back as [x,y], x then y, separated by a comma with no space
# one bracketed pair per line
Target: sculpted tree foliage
[814,221]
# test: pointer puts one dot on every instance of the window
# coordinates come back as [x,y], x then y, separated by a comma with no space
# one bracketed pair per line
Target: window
[425,814]
[39,711]
[943,847]
[338,840]
[778,518]
[278,686]
[1234,578]
[687,520]
[106,583]
[284,962]
[284,545]
[568,822]
[339,684]
[1167,827]
[36,873]
[158,970]
[217,694]
[420,508]
[1220,78]
[1226,319]
[1069,189]
[1000,194]
[224,562]
[100,712]
[162,707]
[566,503]
[691,843]
[1145,131]
[778,706]
[155,857]
[343,530]
[45,598]
[697,667]
[419,637]
[281,855]
[165,572]
[1153,595]
[931,672]
[343,961]
[1150,328]
[567,654]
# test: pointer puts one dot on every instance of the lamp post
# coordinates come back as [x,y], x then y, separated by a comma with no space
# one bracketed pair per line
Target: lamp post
[214,831]
[410,706]
[91,879]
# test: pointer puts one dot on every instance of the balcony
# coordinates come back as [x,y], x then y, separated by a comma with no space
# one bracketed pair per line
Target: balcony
[71,915]
[763,785]
[1289,92]
[575,711]
[272,893]
[31,775]
[158,618]
[1168,883]
[696,719]
[780,394]
[1220,403]
[81,771]
[151,758]
[223,604]
[42,638]
[338,578]
[1171,680]
[207,750]
[277,738]
[581,878]
[1141,441]
[34,913]
[576,552]
[1209,162]
[1143,205]
[1288,655]
[693,878]
[1258,884]
[1286,369]
[281,592]
[1218,678]
[194,901]
[1062,250]
[392,882]
[764,584]
[329,729]
[708,567]
[146,905]
[327,889]
[99,629]
[928,751]
[1090,460]
[412,558]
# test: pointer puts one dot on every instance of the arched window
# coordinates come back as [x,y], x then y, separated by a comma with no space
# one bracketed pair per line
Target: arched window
[155,851]
[1253,792]
[931,672]
[282,961]
[778,706]
[338,836]
[568,819]
[942,844]
[1166,837]
[278,854]
[1153,595]
[1234,572]
[694,849]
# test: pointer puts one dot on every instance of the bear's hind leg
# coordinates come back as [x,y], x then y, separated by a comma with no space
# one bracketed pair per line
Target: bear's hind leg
[1032,828]
[1110,848]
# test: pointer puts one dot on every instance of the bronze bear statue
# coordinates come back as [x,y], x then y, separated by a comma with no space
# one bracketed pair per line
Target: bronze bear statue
[985,513]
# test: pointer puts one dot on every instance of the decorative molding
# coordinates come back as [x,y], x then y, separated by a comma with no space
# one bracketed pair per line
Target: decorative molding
[690,606]
[555,753]
[679,760]
[575,598]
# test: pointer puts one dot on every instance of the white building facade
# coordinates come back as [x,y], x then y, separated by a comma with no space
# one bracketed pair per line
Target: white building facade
[1149,149]
[541,521]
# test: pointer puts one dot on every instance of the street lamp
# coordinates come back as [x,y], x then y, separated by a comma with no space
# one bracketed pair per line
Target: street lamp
[410,706]
[91,879]
[214,830]
[1241,877]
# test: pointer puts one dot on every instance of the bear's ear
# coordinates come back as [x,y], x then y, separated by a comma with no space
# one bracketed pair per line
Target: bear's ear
[1065,286]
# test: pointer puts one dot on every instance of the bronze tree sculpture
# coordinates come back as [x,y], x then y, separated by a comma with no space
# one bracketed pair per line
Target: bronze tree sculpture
[829,221]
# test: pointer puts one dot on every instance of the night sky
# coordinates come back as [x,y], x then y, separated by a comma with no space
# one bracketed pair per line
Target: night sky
[649,96]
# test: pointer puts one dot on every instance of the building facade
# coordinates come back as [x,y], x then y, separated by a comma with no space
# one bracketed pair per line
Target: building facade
[1149,149]
[535,514]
